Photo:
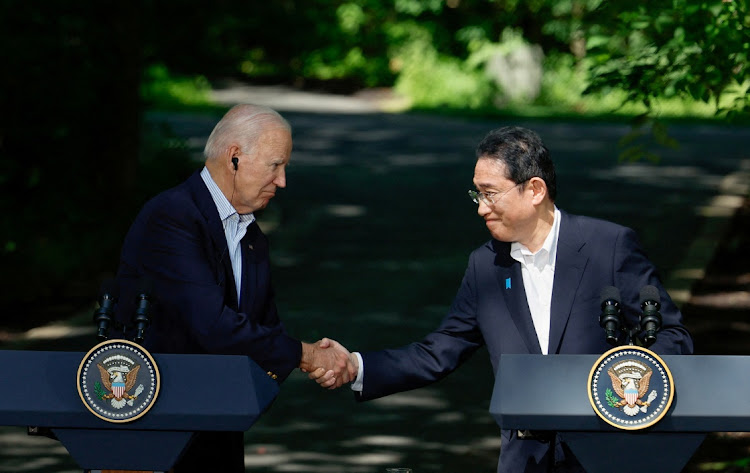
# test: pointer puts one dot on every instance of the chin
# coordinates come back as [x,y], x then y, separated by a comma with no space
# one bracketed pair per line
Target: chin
[500,235]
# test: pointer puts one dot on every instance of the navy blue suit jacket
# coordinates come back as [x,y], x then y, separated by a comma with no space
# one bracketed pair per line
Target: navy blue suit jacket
[177,244]
[491,309]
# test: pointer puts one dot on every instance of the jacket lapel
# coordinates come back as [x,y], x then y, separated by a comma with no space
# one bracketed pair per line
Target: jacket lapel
[205,203]
[569,267]
[513,293]
[251,249]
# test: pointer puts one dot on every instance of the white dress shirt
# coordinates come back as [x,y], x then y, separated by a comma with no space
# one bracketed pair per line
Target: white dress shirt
[538,272]
[235,227]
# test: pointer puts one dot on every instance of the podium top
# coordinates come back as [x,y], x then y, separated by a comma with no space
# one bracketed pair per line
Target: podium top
[539,392]
[198,392]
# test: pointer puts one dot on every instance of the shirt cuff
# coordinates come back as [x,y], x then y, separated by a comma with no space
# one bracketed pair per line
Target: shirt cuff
[360,381]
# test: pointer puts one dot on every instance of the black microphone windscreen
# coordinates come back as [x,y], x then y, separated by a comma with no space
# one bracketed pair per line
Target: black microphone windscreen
[650,293]
[610,293]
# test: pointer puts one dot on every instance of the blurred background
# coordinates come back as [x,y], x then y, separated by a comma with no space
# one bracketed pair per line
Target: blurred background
[102,105]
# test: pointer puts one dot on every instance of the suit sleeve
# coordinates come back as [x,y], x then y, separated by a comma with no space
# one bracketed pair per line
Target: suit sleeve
[633,271]
[173,250]
[437,355]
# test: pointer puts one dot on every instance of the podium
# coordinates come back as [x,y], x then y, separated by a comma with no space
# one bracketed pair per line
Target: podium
[550,393]
[198,393]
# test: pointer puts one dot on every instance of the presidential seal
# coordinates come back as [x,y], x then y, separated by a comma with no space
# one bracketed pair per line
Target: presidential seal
[630,387]
[118,381]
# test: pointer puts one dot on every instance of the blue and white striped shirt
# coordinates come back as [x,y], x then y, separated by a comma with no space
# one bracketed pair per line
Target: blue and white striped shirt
[235,227]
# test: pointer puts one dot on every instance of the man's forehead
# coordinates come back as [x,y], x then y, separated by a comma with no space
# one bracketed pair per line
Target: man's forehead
[489,172]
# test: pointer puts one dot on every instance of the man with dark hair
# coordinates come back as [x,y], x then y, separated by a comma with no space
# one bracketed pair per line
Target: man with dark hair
[207,261]
[533,288]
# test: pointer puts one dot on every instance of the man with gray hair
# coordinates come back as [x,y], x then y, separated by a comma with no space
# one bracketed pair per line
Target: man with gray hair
[207,262]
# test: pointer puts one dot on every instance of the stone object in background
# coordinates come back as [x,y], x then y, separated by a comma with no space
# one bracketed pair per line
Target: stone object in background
[518,73]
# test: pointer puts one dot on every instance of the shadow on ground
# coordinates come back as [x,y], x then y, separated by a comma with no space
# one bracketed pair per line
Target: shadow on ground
[719,315]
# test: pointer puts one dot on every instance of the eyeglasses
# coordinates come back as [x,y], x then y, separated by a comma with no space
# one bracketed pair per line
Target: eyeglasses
[489,198]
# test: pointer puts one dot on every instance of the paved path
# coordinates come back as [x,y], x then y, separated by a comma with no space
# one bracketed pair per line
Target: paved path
[370,240]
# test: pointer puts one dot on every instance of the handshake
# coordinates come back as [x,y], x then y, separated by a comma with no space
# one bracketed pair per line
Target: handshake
[329,363]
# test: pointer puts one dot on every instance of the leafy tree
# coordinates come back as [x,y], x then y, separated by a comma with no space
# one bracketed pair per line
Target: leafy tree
[77,76]
[692,49]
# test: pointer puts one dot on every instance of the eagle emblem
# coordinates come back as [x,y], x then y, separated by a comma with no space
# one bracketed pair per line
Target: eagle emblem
[119,381]
[630,387]
[630,379]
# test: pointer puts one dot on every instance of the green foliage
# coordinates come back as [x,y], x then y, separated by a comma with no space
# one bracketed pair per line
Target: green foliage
[687,50]
[99,390]
[253,63]
[563,83]
[343,43]
[351,18]
[431,79]
[417,7]
[161,90]
[443,81]
[680,48]
[328,64]
[339,40]
[566,21]
[611,399]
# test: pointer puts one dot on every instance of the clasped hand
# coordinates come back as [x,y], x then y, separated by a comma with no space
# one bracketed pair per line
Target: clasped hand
[329,363]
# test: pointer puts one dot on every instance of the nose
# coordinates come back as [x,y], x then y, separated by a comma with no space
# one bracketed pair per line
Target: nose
[280,180]
[482,208]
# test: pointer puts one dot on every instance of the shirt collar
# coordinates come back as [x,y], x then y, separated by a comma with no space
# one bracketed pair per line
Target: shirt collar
[226,210]
[546,254]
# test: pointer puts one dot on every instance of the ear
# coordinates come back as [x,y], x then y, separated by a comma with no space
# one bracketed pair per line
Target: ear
[538,188]
[232,159]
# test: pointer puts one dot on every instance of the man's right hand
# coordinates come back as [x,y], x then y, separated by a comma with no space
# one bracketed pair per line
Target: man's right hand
[326,378]
[329,363]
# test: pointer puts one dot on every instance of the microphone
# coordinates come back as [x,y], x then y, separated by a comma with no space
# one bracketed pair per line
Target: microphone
[142,317]
[611,317]
[103,315]
[651,317]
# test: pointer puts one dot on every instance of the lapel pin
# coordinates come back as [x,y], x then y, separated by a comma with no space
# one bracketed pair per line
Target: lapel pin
[251,247]
[507,283]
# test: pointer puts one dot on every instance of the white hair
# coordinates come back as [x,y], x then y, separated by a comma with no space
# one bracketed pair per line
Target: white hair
[242,125]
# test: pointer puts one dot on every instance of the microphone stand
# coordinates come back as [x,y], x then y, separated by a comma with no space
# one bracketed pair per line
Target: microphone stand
[142,317]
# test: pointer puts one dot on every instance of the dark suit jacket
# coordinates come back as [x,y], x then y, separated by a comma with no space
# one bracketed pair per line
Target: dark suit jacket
[491,309]
[177,244]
